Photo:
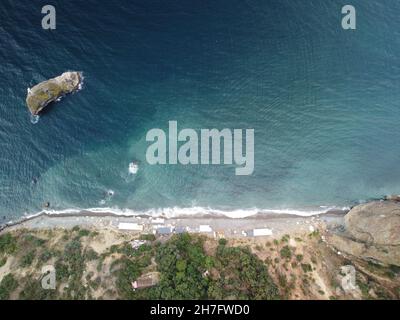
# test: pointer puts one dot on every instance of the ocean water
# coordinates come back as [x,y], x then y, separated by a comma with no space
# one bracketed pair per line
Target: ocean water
[324,103]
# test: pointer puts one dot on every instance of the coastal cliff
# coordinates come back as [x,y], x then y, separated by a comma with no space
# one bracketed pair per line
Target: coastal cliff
[372,233]
[51,90]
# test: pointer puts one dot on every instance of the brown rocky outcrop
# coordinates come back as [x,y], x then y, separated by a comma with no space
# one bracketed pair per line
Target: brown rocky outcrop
[372,232]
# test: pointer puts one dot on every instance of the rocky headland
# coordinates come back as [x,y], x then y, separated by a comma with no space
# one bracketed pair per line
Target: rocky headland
[371,232]
[51,90]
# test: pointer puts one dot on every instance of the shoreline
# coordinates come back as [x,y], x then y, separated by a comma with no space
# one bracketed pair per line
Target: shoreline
[165,213]
[229,227]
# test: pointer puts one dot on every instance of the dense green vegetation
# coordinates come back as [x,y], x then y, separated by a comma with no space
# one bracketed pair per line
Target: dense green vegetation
[27,259]
[187,272]
[148,237]
[130,267]
[32,252]
[182,262]
[7,285]
[3,261]
[74,264]
[34,291]
[286,253]
[8,244]
[242,276]
[306,267]
[186,266]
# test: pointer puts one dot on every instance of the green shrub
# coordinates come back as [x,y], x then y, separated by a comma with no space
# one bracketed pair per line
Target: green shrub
[242,275]
[62,271]
[3,261]
[306,267]
[285,238]
[314,234]
[96,283]
[94,234]
[313,260]
[91,255]
[83,233]
[147,237]
[27,259]
[73,251]
[113,249]
[7,286]
[282,280]
[31,240]
[34,291]
[8,243]
[268,261]
[222,242]
[73,262]
[286,253]
[46,255]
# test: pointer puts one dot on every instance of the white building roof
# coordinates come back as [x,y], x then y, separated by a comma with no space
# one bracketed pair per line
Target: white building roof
[130,226]
[205,228]
[158,221]
[261,232]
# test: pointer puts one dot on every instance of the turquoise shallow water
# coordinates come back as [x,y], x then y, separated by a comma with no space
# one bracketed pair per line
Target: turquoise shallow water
[324,103]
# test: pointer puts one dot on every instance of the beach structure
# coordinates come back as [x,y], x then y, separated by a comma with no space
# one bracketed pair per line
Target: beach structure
[180,230]
[136,244]
[205,229]
[130,226]
[220,234]
[146,281]
[259,232]
[157,221]
[164,230]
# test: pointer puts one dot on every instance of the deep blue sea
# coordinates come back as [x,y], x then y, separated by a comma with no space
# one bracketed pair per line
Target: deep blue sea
[324,103]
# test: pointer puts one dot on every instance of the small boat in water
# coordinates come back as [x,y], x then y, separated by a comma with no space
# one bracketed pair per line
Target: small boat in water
[133,167]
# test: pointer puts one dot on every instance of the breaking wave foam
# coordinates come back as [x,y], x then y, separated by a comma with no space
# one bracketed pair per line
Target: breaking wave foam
[192,211]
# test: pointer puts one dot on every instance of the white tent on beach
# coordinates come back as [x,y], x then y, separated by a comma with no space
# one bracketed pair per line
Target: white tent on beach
[130,226]
[259,232]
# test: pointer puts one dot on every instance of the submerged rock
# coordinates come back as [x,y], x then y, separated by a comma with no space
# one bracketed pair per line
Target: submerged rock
[51,90]
[372,232]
